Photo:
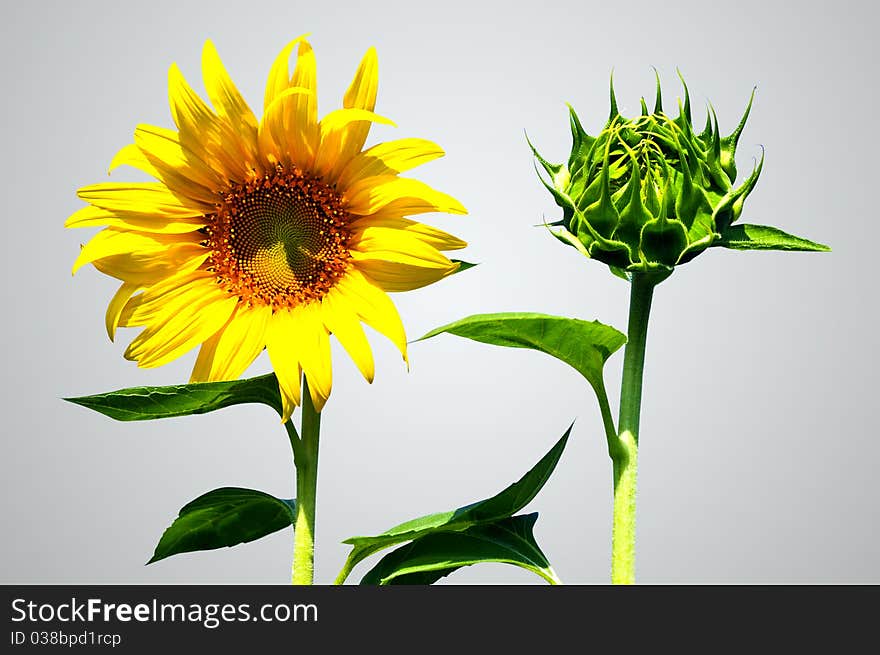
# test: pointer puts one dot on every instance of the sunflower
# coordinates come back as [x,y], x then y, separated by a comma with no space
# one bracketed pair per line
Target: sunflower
[268,234]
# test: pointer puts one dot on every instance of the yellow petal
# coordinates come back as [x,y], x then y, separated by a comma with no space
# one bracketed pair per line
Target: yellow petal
[343,322]
[284,355]
[191,115]
[163,296]
[142,198]
[91,216]
[398,196]
[335,129]
[114,309]
[373,306]
[396,276]
[193,319]
[291,118]
[205,359]
[423,256]
[131,155]
[432,236]
[279,77]
[112,241]
[389,158]
[202,131]
[305,76]
[277,142]
[178,166]
[314,353]
[227,354]
[225,97]
[361,94]
[149,268]
[289,130]
[374,242]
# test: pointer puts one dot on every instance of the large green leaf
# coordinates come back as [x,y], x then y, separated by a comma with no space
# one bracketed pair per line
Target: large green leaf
[224,517]
[502,505]
[145,403]
[764,237]
[584,345]
[429,558]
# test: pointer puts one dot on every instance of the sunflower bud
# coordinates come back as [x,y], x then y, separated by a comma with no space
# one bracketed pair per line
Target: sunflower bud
[648,193]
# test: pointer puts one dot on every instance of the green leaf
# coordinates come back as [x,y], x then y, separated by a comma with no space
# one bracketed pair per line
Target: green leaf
[146,403]
[502,505]
[429,558]
[584,345]
[621,273]
[764,237]
[463,265]
[224,517]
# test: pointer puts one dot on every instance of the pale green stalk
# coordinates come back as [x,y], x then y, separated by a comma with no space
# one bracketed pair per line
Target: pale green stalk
[624,453]
[305,455]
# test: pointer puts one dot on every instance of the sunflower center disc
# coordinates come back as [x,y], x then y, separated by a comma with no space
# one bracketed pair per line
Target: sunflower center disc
[280,240]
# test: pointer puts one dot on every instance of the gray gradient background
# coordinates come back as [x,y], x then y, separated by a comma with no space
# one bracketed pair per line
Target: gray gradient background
[759,445]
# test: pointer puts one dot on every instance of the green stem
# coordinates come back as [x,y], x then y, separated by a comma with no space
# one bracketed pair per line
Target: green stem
[293,435]
[607,419]
[305,456]
[624,453]
[345,572]
[549,575]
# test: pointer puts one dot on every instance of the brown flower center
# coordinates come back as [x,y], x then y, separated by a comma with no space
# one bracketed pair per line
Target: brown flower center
[279,240]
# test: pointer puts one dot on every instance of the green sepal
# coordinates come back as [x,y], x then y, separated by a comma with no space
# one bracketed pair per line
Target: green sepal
[683,141]
[663,241]
[429,558]
[500,506]
[652,271]
[658,94]
[601,217]
[764,237]
[685,116]
[689,199]
[729,143]
[462,265]
[577,188]
[561,233]
[716,170]
[561,199]
[581,142]
[147,403]
[686,130]
[695,247]
[634,215]
[620,272]
[594,241]
[652,202]
[614,113]
[224,517]
[585,195]
[614,253]
[706,134]
[552,169]
[730,207]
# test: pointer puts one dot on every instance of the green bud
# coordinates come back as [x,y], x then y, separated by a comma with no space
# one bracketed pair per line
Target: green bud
[648,193]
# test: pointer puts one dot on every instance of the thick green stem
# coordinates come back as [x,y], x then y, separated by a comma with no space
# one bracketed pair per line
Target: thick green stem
[624,453]
[305,455]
